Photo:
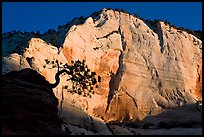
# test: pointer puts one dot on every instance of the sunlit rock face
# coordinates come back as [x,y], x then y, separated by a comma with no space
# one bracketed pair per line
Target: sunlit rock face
[13,62]
[144,68]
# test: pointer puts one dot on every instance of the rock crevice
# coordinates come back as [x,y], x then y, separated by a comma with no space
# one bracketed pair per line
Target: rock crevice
[150,63]
[116,78]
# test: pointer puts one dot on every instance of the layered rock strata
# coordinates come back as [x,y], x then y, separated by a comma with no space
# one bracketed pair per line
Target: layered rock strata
[145,69]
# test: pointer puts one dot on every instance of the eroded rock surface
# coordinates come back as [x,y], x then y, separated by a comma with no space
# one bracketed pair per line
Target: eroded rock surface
[28,106]
[144,68]
[143,71]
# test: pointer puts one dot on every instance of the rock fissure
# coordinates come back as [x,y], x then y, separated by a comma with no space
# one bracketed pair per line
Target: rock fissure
[107,35]
[116,78]
[82,37]
[101,23]
[139,58]
[133,99]
[160,36]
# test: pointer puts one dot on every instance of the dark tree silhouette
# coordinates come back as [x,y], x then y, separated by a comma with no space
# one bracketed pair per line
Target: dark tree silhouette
[53,39]
[83,80]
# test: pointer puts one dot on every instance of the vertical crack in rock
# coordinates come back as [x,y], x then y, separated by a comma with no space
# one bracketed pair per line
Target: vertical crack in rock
[158,30]
[122,39]
[116,78]
[160,36]
[132,99]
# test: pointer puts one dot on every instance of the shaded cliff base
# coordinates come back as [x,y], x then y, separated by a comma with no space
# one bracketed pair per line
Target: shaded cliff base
[30,108]
[185,120]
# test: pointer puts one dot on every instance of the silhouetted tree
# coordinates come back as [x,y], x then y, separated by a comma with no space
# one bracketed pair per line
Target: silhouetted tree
[53,39]
[59,27]
[37,34]
[83,80]
[123,10]
[198,34]
[14,31]
[117,9]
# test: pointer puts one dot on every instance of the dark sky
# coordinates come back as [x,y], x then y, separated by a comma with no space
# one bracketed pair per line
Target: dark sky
[33,16]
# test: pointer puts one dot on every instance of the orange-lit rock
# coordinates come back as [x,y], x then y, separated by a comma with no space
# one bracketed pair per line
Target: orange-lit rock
[143,68]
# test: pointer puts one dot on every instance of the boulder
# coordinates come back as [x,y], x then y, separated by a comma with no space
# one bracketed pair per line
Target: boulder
[28,106]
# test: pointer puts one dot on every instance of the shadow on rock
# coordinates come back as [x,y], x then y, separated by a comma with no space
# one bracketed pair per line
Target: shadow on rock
[28,106]
[186,116]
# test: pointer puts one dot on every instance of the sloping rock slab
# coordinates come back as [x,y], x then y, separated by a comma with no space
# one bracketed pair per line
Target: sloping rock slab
[28,107]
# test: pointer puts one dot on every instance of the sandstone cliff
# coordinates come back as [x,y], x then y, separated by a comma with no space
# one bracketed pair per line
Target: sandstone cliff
[144,68]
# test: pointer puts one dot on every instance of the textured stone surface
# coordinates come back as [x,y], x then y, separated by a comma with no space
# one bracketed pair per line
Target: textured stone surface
[28,107]
[150,71]
[144,69]
[14,62]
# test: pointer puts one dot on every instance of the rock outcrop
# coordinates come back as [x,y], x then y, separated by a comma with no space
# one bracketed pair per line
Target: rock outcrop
[142,71]
[145,69]
[28,106]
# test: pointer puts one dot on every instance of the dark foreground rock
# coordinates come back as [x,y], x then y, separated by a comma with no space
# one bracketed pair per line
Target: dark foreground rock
[28,107]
